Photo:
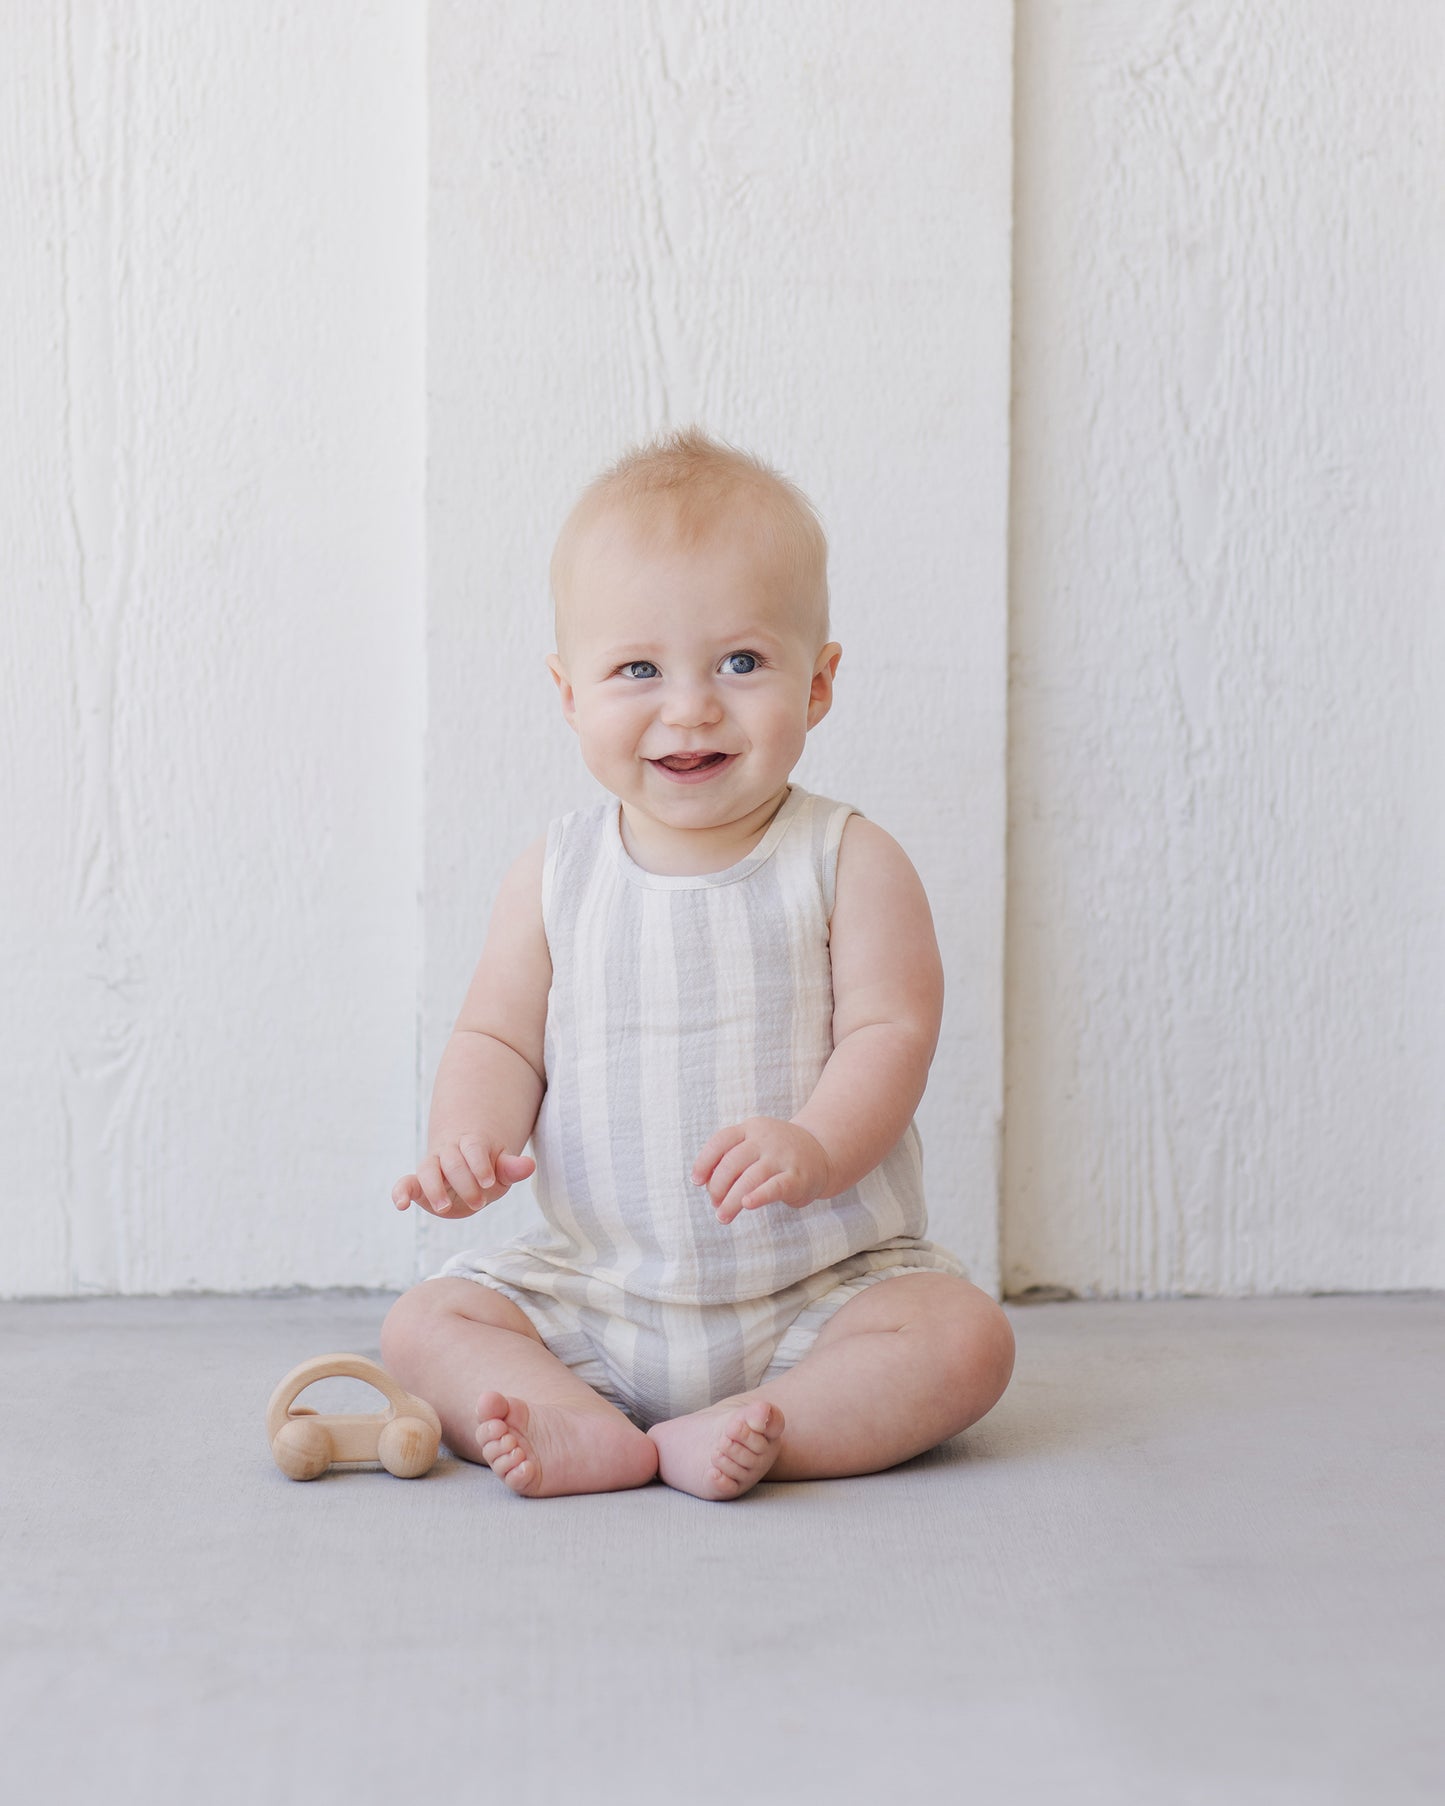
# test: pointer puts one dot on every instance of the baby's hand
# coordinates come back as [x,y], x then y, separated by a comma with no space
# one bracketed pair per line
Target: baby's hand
[761,1161]
[463,1178]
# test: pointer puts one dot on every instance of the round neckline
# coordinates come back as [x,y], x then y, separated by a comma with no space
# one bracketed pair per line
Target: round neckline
[730,874]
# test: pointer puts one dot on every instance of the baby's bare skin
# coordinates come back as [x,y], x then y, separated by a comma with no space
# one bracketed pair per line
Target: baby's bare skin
[715,1454]
[900,1367]
[558,1449]
[657,623]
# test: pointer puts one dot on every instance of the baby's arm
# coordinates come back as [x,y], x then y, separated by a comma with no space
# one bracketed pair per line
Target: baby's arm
[491,1076]
[887,1010]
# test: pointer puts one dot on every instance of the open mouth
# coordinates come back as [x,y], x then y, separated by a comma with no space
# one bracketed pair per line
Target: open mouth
[692,768]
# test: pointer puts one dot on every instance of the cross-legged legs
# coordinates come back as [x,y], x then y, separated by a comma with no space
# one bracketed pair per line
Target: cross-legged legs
[902,1366]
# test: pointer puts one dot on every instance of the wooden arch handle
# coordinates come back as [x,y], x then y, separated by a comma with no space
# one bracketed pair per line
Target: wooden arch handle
[346,1367]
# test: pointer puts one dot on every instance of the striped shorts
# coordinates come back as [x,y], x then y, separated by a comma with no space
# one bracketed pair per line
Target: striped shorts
[656,1360]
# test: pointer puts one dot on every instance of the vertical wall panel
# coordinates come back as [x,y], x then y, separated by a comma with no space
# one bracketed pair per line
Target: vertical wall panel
[210,640]
[1226,1002]
[791,225]
[1226,926]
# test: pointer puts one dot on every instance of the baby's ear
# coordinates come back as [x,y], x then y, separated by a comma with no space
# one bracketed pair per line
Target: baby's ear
[820,696]
[559,674]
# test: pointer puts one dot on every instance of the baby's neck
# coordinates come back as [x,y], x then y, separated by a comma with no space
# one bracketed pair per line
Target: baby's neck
[669,852]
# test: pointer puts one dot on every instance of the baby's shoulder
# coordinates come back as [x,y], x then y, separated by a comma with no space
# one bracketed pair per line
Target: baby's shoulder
[520,892]
[873,868]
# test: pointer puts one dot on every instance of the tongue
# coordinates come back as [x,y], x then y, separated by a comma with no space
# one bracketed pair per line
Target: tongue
[689,761]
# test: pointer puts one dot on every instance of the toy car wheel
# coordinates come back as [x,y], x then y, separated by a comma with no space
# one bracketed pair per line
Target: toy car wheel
[302,1448]
[407,1447]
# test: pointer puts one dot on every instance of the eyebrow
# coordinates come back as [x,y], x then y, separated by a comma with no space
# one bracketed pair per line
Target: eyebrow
[645,648]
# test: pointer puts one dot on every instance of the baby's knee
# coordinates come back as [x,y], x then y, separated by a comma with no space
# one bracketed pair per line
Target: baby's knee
[1001,1346]
[409,1326]
[992,1345]
[426,1321]
[980,1348]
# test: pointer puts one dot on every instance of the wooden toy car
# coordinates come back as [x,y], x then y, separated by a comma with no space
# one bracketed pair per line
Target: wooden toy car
[404,1438]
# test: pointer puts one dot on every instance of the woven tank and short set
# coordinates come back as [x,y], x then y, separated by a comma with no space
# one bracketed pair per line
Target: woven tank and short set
[680,1005]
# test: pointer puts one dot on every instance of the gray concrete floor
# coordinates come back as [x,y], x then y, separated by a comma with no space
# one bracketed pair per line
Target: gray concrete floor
[1194,1555]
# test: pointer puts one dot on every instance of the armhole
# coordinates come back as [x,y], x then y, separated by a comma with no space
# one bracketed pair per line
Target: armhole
[833,826]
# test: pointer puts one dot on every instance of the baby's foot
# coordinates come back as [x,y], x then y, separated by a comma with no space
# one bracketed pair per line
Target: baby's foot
[722,1452]
[544,1450]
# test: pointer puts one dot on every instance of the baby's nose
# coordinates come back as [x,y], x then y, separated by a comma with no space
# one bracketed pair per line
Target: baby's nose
[691,705]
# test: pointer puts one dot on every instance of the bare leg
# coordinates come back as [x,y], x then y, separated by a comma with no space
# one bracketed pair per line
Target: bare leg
[901,1367]
[504,1398]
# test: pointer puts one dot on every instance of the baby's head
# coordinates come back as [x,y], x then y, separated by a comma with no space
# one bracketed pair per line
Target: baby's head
[690,596]
[685,492]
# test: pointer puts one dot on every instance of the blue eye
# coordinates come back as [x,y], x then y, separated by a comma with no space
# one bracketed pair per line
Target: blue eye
[635,663]
[756,661]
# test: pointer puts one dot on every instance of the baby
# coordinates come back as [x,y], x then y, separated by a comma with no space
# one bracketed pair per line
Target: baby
[711,1003]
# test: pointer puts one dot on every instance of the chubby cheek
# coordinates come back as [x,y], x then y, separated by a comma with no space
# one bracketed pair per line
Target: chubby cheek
[611,731]
[783,732]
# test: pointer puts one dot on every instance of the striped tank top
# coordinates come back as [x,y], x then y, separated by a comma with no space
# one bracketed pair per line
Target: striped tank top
[679,1005]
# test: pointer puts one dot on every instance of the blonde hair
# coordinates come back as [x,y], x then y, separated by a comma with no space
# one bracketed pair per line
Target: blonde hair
[680,488]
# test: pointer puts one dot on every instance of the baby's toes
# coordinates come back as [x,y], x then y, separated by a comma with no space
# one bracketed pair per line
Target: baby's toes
[496,1440]
[501,1426]
[756,1429]
[745,1441]
[733,1462]
[747,1447]
[509,1463]
[509,1456]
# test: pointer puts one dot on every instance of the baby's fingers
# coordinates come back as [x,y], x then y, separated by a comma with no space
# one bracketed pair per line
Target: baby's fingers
[743,1187]
[475,1159]
[712,1151]
[437,1195]
[496,1170]
[465,1177]
[407,1192]
[771,1191]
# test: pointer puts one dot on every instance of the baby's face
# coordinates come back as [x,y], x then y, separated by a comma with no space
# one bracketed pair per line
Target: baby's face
[666,652]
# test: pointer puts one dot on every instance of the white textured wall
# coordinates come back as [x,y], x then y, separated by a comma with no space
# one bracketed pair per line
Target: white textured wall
[211,585]
[1225,1006]
[1226,922]
[791,224]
